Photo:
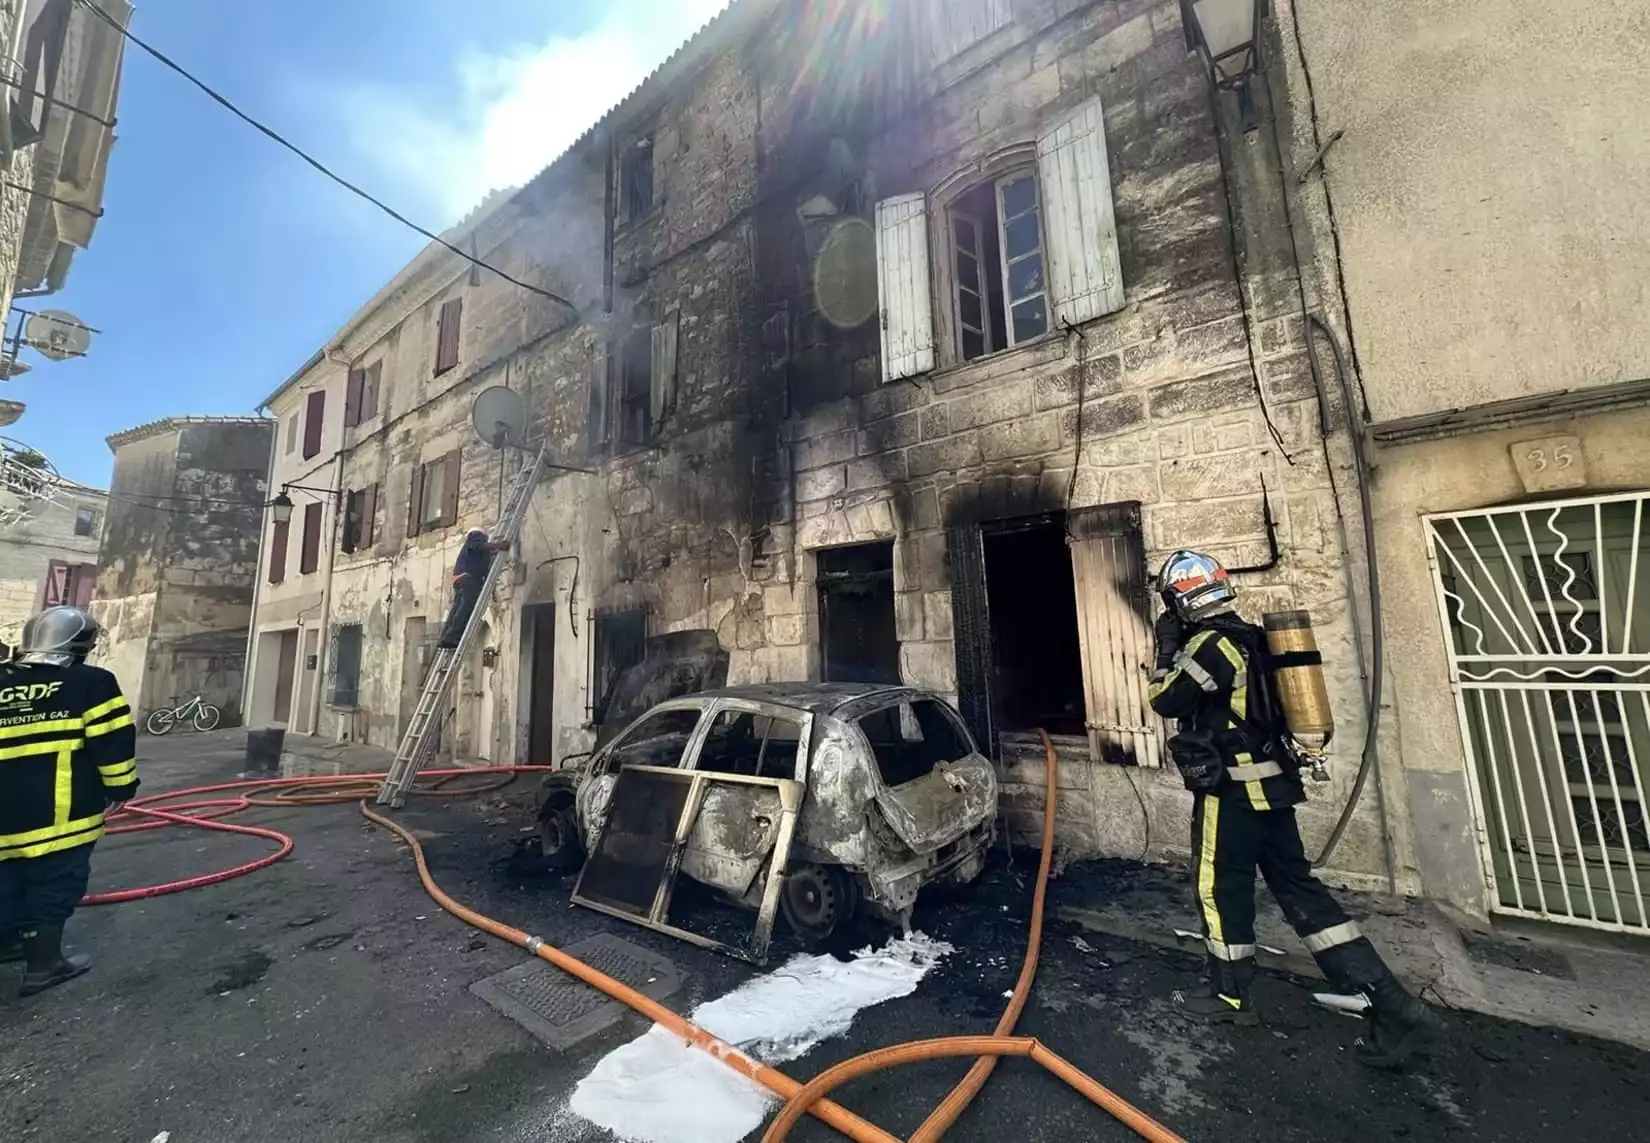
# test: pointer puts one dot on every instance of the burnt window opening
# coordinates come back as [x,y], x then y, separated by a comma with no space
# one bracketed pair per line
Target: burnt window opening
[911,738]
[346,665]
[754,745]
[635,404]
[1036,654]
[859,641]
[996,236]
[432,500]
[659,739]
[636,180]
[85,521]
[618,642]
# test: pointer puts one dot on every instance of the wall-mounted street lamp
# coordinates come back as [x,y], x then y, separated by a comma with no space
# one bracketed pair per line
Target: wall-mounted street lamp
[1226,33]
[281,507]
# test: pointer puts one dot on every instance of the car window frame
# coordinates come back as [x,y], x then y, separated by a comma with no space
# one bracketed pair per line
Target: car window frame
[604,760]
[751,706]
[901,698]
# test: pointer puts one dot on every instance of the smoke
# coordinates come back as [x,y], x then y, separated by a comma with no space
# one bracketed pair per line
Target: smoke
[498,118]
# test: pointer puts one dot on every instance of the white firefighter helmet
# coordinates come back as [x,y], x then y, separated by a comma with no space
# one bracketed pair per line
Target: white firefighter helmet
[1194,585]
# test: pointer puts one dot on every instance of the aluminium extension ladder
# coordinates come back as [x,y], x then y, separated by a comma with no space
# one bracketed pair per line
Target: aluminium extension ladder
[426,718]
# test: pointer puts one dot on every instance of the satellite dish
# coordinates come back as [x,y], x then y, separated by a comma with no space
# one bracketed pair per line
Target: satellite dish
[57,334]
[499,416]
[13,367]
[845,274]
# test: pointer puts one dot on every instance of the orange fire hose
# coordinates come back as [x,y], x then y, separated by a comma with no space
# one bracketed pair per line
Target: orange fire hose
[988,1048]
[802,1099]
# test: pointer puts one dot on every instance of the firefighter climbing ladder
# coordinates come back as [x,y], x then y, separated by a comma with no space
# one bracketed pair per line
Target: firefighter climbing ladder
[426,717]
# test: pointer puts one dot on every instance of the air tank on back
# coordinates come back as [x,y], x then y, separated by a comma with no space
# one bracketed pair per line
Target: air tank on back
[1297,673]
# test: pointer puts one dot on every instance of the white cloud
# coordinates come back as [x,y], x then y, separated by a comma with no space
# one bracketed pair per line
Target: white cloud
[503,118]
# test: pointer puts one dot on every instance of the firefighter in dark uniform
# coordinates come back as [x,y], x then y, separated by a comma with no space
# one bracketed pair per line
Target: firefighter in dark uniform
[475,559]
[67,747]
[1231,749]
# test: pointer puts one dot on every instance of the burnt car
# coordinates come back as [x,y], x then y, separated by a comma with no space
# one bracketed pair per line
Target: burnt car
[869,792]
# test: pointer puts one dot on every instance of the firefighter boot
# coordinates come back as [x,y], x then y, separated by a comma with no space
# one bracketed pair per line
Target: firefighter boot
[11,948]
[1397,1023]
[1225,998]
[47,966]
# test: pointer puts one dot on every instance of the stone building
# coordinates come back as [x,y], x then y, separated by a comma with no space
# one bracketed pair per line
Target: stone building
[179,558]
[1482,246]
[899,348]
[51,556]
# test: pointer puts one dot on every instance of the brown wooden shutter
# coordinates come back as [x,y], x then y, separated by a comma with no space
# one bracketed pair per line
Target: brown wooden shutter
[314,416]
[415,502]
[369,390]
[277,551]
[449,489]
[352,397]
[352,522]
[369,512]
[446,339]
[309,556]
[84,580]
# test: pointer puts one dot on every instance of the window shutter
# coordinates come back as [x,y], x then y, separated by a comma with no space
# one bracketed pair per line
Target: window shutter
[1084,272]
[663,393]
[598,421]
[369,513]
[449,489]
[369,390]
[446,338]
[309,556]
[352,397]
[415,502]
[352,521]
[902,287]
[314,416]
[277,551]
[85,579]
[1108,564]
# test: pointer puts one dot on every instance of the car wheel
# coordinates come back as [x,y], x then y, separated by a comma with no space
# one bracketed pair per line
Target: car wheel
[817,901]
[559,833]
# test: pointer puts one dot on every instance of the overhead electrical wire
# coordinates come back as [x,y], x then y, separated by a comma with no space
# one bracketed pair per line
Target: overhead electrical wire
[270,133]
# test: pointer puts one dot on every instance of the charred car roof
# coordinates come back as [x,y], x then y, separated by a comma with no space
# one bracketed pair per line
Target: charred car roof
[815,698]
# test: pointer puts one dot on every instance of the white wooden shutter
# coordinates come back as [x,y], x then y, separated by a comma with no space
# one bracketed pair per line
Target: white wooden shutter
[958,24]
[903,296]
[1084,274]
[663,389]
[1108,563]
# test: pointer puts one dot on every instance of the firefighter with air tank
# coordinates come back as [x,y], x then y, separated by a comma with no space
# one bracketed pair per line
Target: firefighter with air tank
[1251,712]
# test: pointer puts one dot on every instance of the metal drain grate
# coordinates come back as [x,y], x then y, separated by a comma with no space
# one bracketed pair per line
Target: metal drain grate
[560,1010]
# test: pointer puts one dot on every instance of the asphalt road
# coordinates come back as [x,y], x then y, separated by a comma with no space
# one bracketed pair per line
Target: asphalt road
[327,998]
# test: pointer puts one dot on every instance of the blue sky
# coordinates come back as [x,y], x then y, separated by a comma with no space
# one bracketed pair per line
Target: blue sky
[224,261]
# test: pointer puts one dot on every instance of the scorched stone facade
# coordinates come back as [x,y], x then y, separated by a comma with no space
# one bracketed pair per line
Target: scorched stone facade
[899,348]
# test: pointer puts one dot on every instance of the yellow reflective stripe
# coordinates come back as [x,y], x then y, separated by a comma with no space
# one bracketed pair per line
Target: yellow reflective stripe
[118,773]
[103,708]
[47,833]
[53,845]
[109,727]
[52,726]
[1206,869]
[49,747]
[1181,661]
[64,792]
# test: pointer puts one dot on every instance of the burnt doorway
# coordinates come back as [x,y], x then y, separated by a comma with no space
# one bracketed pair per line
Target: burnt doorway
[539,621]
[857,638]
[1036,657]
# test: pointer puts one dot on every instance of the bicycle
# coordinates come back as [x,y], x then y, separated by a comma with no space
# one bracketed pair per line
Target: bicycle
[203,716]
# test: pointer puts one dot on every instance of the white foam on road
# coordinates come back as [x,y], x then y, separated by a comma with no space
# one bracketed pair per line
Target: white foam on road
[657,1089]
